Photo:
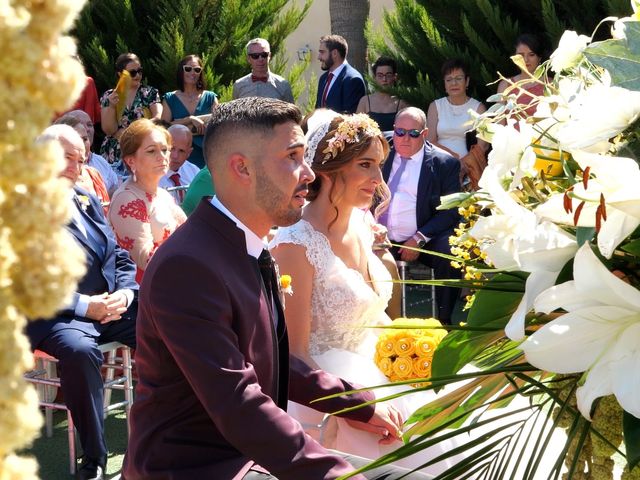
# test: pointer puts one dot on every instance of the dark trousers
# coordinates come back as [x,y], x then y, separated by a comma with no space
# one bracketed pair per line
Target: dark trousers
[446,297]
[79,362]
[387,472]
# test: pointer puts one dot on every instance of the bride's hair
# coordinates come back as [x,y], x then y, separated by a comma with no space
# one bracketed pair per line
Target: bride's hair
[340,146]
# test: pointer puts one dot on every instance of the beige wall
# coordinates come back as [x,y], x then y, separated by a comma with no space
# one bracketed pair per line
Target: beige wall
[317,23]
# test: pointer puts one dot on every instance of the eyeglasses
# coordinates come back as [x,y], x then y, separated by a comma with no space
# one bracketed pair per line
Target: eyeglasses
[256,56]
[135,73]
[454,79]
[389,75]
[188,68]
[413,133]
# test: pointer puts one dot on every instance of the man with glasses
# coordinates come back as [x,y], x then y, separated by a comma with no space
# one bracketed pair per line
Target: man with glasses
[341,87]
[261,82]
[418,174]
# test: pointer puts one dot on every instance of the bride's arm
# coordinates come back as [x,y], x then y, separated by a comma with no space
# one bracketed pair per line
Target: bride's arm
[292,260]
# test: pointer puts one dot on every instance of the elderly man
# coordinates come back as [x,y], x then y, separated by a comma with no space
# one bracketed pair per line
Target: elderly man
[96,161]
[418,174]
[341,87]
[103,309]
[261,82]
[181,171]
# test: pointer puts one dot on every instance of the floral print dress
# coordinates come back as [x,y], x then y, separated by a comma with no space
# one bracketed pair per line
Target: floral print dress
[140,108]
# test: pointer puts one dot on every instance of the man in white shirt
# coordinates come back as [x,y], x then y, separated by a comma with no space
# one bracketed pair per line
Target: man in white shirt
[418,174]
[181,171]
[261,82]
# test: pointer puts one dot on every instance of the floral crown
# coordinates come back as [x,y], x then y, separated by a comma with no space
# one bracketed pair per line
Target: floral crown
[352,130]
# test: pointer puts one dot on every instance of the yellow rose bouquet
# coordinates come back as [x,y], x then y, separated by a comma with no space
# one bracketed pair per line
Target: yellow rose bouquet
[407,353]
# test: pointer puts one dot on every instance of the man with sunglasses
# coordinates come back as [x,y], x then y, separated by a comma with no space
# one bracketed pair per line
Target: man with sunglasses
[418,174]
[261,82]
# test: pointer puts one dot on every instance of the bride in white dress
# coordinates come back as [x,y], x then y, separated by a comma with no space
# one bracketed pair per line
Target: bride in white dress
[340,287]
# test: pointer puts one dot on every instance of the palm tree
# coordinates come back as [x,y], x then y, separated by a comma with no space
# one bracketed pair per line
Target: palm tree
[348,18]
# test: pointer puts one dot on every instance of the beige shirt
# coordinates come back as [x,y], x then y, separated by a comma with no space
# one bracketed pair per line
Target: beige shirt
[274,87]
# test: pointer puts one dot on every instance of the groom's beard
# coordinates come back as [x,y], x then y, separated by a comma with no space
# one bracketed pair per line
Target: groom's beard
[276,203]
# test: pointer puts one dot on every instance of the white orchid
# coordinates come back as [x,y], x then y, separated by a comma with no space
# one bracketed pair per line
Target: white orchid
[514,239]
[616,180]
[599,334]
[569,51]
[597,114]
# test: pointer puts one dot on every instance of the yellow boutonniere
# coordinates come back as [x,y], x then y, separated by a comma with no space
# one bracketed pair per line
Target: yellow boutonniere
[285,284]
[84,201]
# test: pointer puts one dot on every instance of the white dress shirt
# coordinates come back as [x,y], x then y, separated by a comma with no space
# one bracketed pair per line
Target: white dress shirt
[106,172]
[255,244]
[187,172]
[335,74]
[401,220]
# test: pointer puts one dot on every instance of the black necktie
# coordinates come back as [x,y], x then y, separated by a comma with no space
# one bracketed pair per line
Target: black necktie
[268,274]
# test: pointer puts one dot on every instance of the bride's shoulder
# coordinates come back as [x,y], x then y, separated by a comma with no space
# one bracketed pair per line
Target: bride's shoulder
[299,233]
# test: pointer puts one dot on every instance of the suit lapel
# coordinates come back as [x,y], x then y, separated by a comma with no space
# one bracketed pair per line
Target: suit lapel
[336,89]
[388,165]
[425,184]
[87,218]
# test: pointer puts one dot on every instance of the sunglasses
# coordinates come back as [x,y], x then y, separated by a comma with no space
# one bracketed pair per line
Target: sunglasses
[256,56]
[188,68]
[135,73]
[413,133]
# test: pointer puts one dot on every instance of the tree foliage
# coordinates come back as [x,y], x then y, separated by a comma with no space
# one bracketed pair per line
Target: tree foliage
[164,31]
[422,34]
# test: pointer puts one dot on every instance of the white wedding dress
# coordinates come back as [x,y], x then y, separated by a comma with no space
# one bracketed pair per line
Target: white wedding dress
[343,305]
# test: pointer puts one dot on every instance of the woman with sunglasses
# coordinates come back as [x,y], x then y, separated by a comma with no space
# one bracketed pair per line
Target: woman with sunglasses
[448,121]
[185,105]
[141,101]
[381,106]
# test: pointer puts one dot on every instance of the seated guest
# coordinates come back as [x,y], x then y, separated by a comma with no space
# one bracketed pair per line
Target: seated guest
[129,101]
[96,161]
[89,178]
[261,82]
[181,171]
[449,120]
[192,99]
[418,174]
[142,214]
[103,309]
[381,106]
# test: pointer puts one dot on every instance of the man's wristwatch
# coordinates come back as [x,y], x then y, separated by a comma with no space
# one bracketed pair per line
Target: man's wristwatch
[419,240]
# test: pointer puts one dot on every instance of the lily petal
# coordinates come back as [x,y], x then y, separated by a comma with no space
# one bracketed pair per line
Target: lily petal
[536,283]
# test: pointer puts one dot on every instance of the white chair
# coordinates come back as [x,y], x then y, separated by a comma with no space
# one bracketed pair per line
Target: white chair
[416,271]
[47,382]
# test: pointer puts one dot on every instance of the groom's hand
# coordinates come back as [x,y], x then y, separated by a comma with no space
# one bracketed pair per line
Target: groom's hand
[386,422]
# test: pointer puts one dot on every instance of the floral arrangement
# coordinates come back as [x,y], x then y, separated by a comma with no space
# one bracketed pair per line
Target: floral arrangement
[285,284]
[350,130]
[39,263]
[406,351]
[550,243]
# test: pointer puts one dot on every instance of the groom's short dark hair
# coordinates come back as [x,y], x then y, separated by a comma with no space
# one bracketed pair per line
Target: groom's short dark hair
[246,115]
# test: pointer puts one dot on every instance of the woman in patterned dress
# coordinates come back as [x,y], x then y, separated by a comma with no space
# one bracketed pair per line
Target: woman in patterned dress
[142,101]
[142,214]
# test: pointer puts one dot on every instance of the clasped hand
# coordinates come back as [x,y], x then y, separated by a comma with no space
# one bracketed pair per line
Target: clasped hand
[386,422]
[107,307]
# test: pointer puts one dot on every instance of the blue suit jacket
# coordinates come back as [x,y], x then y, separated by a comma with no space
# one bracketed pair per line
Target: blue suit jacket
[105,273]
[345,93]
[439,175]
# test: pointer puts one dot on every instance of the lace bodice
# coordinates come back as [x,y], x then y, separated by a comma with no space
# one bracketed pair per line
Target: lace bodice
[342,301]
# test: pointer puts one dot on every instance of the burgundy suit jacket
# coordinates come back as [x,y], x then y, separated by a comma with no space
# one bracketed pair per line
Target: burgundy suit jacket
[213,370]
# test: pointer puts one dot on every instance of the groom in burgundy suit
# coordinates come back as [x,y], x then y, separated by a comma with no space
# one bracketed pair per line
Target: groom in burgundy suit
[214,368]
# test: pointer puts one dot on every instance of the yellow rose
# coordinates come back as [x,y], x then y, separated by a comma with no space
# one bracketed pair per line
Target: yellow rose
[422,367]
[384,347]
[386,366]
[403,344]
[426,345]
[403,367]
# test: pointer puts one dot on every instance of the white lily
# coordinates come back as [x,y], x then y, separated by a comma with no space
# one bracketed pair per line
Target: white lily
[597,114]
[569,51]
[514,239]
[616,179]
[599,334]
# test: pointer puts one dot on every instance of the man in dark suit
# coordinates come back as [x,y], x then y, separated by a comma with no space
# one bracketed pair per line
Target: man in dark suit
[103,309]
[341,87]
[418,174]
[214,368]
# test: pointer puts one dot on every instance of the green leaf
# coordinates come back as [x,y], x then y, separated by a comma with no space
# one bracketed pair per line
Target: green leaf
[631,431]
[491,308]
[584,234]
[621,58]
[632,247]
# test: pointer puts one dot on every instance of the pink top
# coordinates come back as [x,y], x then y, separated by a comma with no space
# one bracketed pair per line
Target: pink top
[141,221]
[524,97]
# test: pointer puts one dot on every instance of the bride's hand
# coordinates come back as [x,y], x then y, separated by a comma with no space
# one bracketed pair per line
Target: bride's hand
[386,422]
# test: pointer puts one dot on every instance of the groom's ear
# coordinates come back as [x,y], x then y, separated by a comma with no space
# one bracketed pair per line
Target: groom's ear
[239,167]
